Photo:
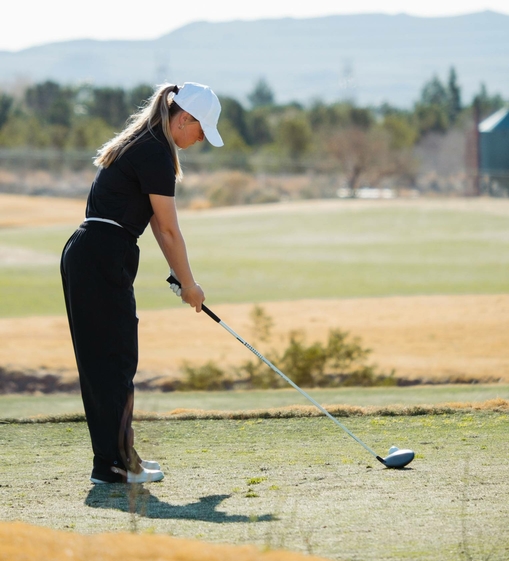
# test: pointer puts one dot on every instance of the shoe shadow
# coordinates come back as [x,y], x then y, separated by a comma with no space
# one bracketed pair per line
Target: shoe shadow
[135,499]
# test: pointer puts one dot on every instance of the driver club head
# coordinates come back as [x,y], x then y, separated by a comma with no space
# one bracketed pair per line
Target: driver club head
[398,458]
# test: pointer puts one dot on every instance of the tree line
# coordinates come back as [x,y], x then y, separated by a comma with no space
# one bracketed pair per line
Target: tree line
[291,136]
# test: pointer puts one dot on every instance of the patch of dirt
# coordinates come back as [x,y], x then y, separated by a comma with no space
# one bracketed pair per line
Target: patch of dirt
[24,542]
[427,338]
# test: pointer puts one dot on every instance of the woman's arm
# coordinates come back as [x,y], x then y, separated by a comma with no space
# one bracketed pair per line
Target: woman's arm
[165,227]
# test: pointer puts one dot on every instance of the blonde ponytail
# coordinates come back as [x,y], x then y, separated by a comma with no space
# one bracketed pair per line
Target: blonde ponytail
[158,109]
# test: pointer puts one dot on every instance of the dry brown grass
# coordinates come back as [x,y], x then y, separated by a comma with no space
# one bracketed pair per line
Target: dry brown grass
[17,211]
[293,411]
[497,405]
[23,542]
[432,338]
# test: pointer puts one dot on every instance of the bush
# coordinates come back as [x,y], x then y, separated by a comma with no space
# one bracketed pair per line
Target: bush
[206,377]
[340,362]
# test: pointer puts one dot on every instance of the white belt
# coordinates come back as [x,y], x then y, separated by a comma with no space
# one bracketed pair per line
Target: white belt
[107,220]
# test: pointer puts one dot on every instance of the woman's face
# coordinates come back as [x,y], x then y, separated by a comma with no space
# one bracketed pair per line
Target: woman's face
[185,130]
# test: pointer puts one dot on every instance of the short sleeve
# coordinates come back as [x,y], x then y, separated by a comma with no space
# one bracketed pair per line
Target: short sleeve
[154,168]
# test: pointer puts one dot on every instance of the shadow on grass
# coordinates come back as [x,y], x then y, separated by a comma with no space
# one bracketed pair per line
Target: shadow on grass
[135,499]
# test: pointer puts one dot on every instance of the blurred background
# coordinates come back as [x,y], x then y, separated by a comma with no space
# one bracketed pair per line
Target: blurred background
[317,105]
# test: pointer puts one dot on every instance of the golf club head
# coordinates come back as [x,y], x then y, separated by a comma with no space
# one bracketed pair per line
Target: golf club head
[398,458]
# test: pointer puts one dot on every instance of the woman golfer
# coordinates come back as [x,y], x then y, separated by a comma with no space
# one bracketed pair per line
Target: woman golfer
[134,186]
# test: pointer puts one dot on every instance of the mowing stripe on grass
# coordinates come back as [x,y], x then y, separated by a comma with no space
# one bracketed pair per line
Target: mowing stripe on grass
[289,412]
[287,252]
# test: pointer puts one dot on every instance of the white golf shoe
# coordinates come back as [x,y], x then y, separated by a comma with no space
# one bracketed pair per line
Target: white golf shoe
[149,464]
[145,476]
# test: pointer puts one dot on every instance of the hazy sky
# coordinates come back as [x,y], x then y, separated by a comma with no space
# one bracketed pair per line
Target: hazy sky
[36,22]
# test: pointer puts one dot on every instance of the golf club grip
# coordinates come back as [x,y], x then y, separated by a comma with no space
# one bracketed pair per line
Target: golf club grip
[172,280]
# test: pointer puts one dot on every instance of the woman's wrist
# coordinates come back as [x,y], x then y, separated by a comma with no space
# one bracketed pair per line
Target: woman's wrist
[190,286]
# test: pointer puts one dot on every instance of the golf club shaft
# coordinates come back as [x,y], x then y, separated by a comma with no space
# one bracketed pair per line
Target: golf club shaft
[217,319]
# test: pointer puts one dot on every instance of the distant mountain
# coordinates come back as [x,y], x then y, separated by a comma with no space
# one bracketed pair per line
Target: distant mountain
[369,58]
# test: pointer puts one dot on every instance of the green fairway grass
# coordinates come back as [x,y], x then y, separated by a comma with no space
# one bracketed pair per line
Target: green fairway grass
[334,252]
[15,406]
[300,483]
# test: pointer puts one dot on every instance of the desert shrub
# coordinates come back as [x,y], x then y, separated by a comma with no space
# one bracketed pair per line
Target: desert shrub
[257,375]
[232,188]
[206,377]
[343,352]
[227,188]
[304,364]
[261,324]
[341,361]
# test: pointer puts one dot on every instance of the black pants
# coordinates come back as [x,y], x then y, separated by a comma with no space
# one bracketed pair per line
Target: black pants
[99,264]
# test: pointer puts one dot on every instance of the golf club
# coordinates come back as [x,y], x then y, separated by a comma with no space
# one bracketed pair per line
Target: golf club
[396,459]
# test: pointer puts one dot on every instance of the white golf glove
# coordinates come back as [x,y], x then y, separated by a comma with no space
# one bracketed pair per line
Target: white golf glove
[175,287]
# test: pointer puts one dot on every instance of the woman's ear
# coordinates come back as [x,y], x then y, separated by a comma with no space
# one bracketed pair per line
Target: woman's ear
[184,118]
[181,119]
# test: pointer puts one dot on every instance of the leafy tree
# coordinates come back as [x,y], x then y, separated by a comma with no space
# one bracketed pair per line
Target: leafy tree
[137,97]
[21,130]
[51,103]
[6,103]
[432,111]
[60,113]
[237,152]
[233,112]
[326,117]
[41,96]
[440,105]
[261,95]
[434,93]
[431,118]
[402,132]
[366,144]
[453,97]
[294,135]
[258,127]
[487,104]
[110,104]
[387,109]
[58,135]
[360,117]
[231,137]
[90,133]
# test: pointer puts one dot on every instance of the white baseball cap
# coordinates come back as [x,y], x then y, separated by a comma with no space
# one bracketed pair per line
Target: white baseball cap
[202,103]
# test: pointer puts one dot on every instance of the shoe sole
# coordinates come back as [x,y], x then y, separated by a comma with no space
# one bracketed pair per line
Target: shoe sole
[146,476]
[151,476]
[98,481]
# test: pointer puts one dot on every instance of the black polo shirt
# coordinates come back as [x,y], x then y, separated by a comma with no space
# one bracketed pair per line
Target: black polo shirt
[121,191]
